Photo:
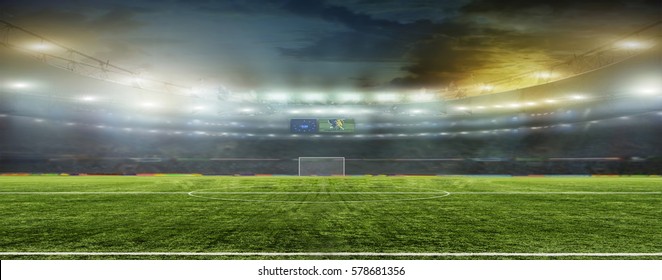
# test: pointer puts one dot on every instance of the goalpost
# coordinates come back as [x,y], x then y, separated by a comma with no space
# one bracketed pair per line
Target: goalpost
[321,166]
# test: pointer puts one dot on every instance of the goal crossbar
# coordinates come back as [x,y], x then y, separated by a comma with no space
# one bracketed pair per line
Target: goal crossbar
[321,166]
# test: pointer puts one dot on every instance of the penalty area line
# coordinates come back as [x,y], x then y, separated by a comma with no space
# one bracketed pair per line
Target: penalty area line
[337,254]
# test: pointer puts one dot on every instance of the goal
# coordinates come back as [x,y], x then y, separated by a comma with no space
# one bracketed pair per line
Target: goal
[321,166]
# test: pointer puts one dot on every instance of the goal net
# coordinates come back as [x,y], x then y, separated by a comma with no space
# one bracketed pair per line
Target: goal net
[321,166]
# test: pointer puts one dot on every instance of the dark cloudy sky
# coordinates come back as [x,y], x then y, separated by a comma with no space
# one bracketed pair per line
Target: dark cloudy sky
[333,44]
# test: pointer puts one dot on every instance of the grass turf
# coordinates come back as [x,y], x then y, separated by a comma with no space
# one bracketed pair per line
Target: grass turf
[329,214]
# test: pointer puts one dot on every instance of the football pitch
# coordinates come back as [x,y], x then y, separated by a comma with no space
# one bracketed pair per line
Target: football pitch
[115,217]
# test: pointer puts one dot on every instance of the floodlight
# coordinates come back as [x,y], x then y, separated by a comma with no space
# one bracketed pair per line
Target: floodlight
[350,97]
[577,97]
[550,101]
[88,98]
[247,110]
[514,105]
[531,103]
[632,45]
[149,105]
[387,97]
[461,108]
[487,87]
[277,97]
[649,90]
[19,85]
[41,46]
[313,97]
[421,97]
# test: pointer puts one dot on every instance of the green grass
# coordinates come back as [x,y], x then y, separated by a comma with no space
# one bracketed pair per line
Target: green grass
[321,214]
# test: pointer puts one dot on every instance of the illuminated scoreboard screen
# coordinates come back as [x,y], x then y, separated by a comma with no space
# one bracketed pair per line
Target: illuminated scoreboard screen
[327,125]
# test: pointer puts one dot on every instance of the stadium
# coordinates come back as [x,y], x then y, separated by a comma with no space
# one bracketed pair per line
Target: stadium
[113,160]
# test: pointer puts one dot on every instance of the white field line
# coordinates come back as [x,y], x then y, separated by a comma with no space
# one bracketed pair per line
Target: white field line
[81,193]
[207,192]
[577,192]
[337,254]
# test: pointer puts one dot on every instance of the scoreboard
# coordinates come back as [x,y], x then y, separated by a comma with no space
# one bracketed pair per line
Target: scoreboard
[326,125]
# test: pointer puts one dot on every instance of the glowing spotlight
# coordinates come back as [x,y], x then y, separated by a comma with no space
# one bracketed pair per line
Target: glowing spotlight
[313,97]
[461,108]
[387,97]
[550,101]
[648,91]
[578,97]
[88,98]
[498,106]
[531,104]
[277,97]
[350,97]
[480,107]
[247,110]
[149,105]
[421,97]
[199,108]
[19,85]
[486,87]
[632,45]
[42,46]
[514,105]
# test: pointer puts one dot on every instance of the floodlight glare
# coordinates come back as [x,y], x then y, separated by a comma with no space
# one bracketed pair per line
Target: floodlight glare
[387,97]
[648,91]
[350,97]
[421,97]
[19,85]
[277,97]
[148,105]
[42,46]
[577,97]
[632,45]
[550,101]
[88,98]
[313,97]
